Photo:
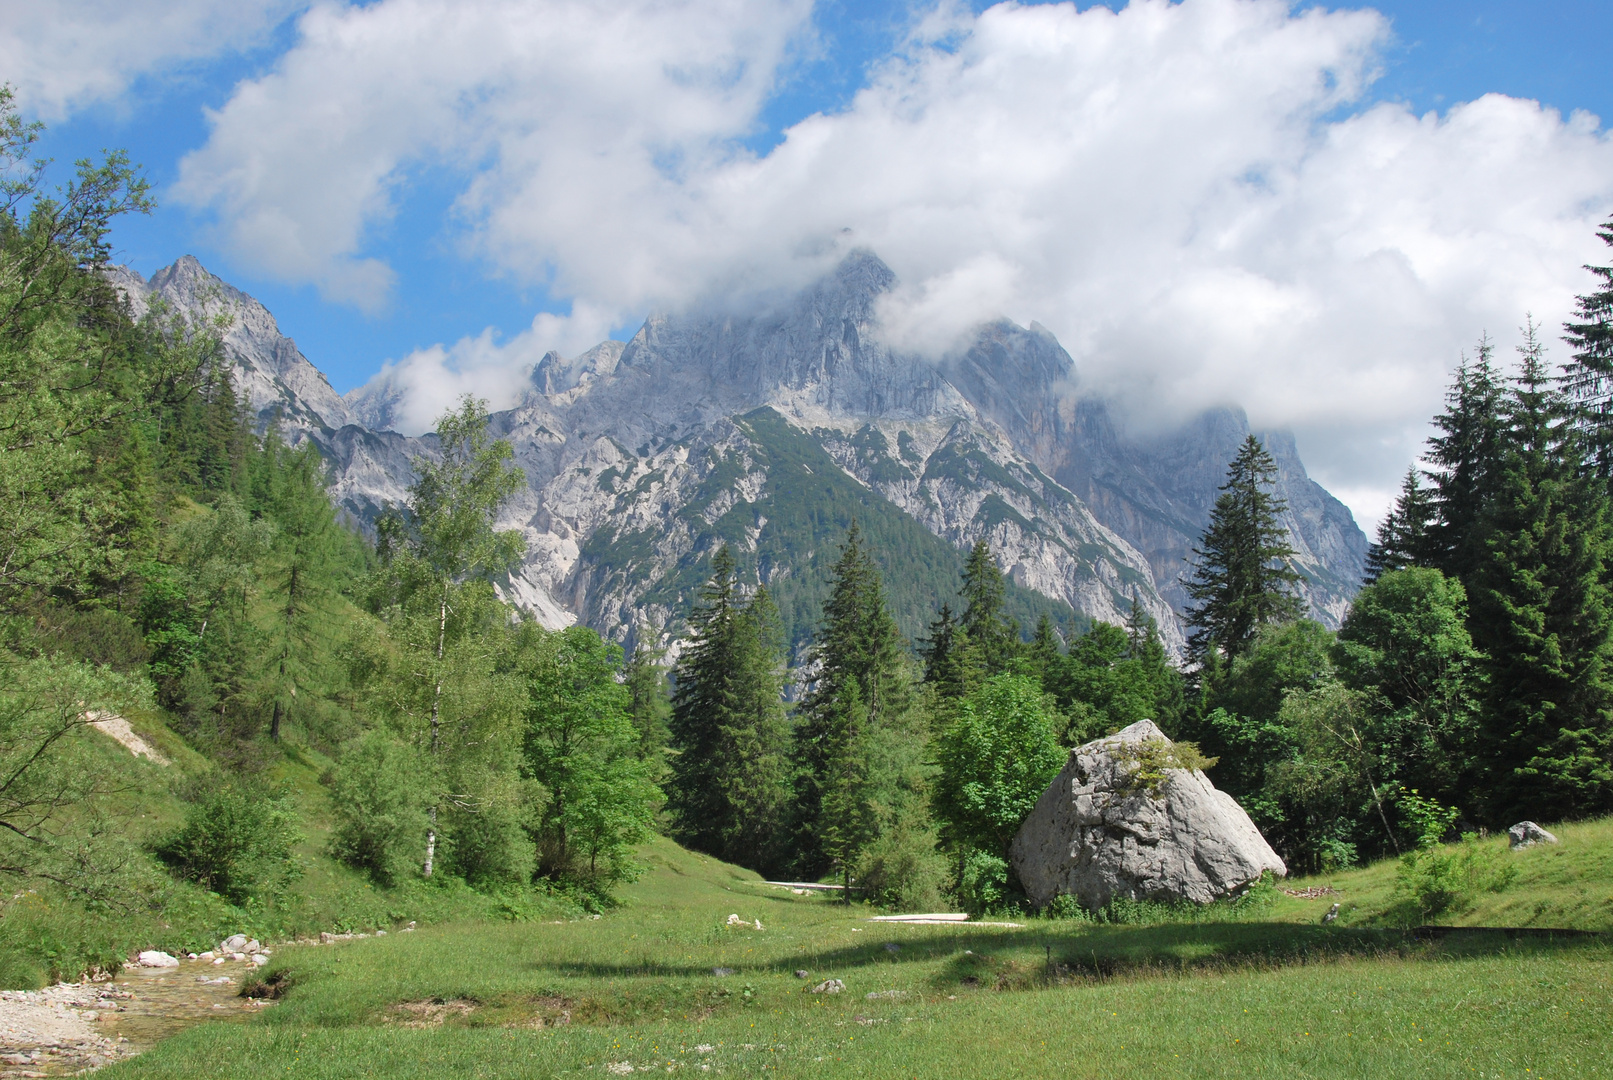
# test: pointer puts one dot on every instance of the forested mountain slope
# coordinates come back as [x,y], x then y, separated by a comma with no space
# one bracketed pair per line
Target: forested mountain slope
[642,457]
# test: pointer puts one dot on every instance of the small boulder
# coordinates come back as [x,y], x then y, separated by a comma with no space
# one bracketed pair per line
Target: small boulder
[734,920]
[1331,915]
[1122,821]
[233,943]
[153,958]
[722,972]
[251,946]
[829,986]
[801,973]
[1528,834]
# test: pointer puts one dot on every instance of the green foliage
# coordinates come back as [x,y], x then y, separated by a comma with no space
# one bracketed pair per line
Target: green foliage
[983,885]
[901,868]
[55,787]
[1403,535]
[1432,881]
[729,790]
[235,842]
[580,747]
[1243,577]
[1113,677]
[861,694]
[1150,762]
[996,759]
[1543,615]
[378,797]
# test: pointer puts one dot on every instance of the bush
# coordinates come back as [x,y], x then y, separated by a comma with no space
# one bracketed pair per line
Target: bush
[379,797]
[488,845]
[1433,881]
[1065,906]
[902,870]
[983,884]
[235,843]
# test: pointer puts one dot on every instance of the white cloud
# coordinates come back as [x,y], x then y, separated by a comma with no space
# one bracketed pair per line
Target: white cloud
[1187,194]
[63,56]
[570,118]
[420,386]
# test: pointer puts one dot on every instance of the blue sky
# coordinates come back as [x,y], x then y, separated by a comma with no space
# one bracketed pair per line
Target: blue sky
[456,272]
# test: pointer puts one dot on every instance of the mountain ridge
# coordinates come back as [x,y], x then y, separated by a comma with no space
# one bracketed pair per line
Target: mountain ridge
[646,438]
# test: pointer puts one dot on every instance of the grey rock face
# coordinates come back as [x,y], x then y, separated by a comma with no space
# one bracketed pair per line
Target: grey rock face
[1096,835]
[1528,834]
[631,442]
[271,373]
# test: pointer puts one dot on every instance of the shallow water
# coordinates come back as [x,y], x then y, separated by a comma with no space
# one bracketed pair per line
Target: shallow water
[166,1001]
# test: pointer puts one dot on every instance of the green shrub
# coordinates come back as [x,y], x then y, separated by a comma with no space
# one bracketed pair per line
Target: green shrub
[1065,906]
[378,795]
[1151,760]
[902,870]
[1434,881]
[983,884]
[235,842]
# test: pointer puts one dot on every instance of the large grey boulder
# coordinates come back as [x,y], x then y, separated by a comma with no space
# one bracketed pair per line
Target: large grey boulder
[1528,834]
[1101,832]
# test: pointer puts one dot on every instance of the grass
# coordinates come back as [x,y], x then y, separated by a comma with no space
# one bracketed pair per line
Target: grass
[1253,991]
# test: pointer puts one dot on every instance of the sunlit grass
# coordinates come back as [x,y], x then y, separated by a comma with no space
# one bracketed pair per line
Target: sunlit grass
[1277,995]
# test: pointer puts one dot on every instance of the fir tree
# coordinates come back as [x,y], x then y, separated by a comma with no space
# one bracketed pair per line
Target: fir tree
[944,653]
[1466,464]
[704,696]
[729,785]
[649,705]
[1541,612]
[1244,577]
[1403,534]
[1589,375]
[1044,653]
[755,753]
[993,635]
[857,655]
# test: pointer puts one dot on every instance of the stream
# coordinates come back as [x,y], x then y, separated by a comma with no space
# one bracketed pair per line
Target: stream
[66,1029]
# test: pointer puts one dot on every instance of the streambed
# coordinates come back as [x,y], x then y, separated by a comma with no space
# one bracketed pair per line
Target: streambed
[70,1027]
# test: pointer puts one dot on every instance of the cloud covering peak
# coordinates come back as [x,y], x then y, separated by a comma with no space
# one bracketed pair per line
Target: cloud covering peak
[1191,195]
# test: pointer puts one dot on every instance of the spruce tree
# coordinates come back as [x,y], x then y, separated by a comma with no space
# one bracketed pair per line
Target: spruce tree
[993,635]
[755,755]
[857,654]
[1589,375]
[1541,612]
[944,653]
[729,788]
[1403,536]
[1466,465]
[703,698]
[1243,578]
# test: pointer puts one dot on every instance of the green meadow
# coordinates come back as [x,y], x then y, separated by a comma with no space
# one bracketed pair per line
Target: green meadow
[1259,988]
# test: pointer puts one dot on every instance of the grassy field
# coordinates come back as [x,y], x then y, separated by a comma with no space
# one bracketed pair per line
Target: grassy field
[1260,990]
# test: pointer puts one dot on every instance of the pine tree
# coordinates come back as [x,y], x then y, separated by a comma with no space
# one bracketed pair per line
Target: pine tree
[1466,463]
[1588,377]
[1541,613]
[944,653]
[703,698]
[857,654]
[1244,577]
[1403,534]
[755,754]
[649,705]
[729,787]
[1044,652]
[993,635]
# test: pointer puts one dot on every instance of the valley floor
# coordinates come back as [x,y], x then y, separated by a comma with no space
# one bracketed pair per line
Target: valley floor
[665,984]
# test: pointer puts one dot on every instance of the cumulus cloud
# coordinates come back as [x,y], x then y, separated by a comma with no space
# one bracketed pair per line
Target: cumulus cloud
[409,395]
[61,56]
[569,119]
[1191,195]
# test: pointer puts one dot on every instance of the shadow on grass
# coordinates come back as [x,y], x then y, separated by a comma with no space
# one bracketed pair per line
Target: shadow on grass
[1040,953]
